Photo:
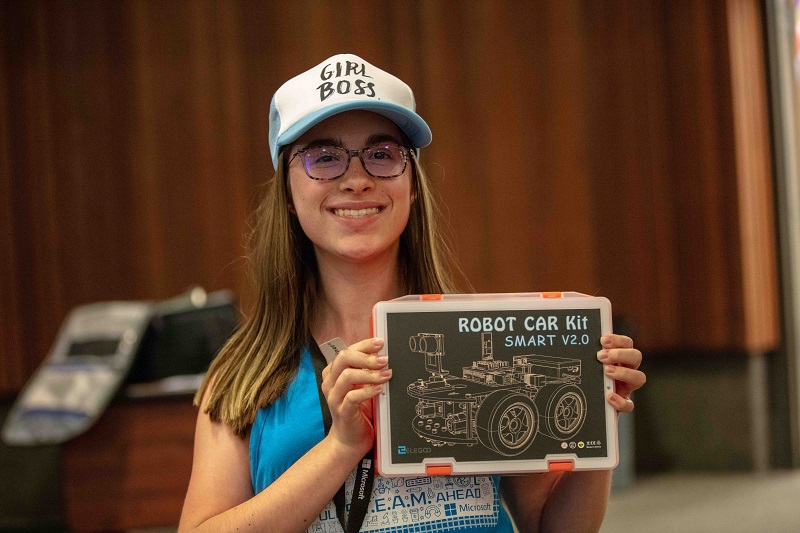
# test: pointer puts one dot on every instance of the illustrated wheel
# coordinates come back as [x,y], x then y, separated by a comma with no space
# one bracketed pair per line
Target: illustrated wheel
[507,422]
[563,410]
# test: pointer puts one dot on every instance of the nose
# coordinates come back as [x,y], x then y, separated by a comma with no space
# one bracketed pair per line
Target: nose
[356,178]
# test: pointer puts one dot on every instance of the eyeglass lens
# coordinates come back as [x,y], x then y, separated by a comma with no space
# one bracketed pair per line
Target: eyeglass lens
[385,160]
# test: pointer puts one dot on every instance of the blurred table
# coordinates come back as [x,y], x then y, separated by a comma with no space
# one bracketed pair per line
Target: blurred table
[131,469]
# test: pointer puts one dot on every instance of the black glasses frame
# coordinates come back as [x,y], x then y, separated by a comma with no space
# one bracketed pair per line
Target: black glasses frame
[350,153]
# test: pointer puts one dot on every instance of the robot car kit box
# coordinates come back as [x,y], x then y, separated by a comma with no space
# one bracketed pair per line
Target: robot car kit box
[494,383]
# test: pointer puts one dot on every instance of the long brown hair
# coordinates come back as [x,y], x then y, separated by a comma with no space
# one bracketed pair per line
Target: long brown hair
[259,361]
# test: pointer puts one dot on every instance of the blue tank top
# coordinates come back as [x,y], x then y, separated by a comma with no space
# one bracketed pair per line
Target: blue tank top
[287,429]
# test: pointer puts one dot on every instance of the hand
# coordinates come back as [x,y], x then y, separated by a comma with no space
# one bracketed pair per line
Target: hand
[349,383]
[621,362]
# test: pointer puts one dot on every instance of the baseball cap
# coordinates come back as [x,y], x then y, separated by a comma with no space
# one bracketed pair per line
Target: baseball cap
[342,83]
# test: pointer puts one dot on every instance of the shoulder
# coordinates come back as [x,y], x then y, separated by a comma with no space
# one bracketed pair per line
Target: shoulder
[220,476]
[237,385]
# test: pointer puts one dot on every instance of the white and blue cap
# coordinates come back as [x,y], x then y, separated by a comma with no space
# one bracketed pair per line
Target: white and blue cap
[341,83]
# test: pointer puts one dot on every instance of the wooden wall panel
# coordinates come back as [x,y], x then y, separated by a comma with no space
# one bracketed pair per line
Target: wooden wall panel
[12,366]
[577,145]
[753,171]
[629,157]
[668,163]
[702,163]
[456,155]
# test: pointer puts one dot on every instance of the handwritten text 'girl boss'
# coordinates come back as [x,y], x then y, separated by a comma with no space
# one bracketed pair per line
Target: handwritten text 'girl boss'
[334,77]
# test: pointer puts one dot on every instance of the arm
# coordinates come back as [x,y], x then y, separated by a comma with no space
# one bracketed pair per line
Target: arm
[576,501]
[220,495]
[557,501]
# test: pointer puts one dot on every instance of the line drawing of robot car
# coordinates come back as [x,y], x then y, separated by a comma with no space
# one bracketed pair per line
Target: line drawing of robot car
[499,405]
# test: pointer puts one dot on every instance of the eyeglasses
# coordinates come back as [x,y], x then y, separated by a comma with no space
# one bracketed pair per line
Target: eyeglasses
[382,160]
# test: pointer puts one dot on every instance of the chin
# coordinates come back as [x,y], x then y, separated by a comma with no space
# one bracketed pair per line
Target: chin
[362,256]
[366,252]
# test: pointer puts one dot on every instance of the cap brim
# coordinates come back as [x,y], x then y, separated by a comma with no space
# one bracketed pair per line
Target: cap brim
[410,123]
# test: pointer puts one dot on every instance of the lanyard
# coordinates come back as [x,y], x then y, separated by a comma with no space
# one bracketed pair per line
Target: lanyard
[365,472]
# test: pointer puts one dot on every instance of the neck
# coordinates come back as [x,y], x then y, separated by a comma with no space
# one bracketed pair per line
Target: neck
[349,291]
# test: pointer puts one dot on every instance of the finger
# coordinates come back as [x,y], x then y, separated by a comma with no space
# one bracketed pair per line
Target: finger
[352,359]
[353,379]
[366,363]
[372,345]
[352,401]
[633,379]
[621,404]
[351,406]
[616,341]
[362,354]
[347,377]
[630,357]
[327,383]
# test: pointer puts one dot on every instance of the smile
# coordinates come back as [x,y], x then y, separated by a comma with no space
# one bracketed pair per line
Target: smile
[356,213]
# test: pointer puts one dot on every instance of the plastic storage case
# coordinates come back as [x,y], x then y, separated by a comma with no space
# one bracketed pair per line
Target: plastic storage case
[494,383]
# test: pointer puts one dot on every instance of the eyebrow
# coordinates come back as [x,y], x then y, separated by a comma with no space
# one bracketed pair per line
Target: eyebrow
[329,141]
[383,137]
[373,139]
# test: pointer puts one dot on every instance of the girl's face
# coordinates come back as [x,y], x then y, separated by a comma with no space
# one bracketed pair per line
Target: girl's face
[357,217]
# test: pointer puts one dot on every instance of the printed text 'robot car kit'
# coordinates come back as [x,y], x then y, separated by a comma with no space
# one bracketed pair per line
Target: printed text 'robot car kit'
[494,383]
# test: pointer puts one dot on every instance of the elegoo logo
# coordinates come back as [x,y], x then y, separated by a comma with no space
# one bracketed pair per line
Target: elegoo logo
[405,450]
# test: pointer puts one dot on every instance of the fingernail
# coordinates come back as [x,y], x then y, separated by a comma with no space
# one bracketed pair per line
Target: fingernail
[605,340]
[377,342]
[613,397]
[610,369]
[386,373]
[382,359]
[602,355]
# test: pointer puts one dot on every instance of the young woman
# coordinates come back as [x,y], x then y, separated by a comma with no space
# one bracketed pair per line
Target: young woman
[348,221]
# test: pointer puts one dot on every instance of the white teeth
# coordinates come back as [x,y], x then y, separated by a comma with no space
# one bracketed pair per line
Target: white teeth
[356,213]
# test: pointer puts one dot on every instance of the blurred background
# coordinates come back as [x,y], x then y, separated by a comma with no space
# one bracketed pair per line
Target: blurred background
[643,150]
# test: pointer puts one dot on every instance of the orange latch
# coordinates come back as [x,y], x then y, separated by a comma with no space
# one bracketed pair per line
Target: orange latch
[438,470]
